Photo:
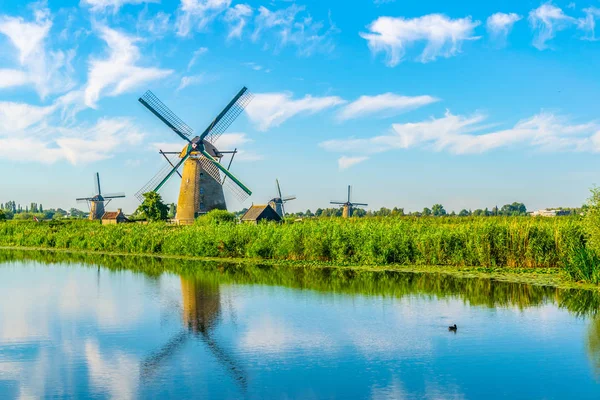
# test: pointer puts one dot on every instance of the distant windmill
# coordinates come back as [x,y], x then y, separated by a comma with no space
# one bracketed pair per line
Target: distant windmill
[98,201]
[203,175]
[348,205]
[278,202]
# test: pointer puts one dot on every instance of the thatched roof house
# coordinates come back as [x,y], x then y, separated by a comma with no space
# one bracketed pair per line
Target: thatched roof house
[262,212]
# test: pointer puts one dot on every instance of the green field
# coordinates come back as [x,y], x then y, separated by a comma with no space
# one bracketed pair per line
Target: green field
[523,242]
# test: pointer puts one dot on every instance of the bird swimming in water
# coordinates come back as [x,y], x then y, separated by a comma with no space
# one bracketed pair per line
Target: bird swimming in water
[452,328]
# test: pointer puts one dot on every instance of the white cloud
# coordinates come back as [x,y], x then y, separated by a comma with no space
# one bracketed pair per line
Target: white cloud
[443,36]
[118,73]
[157,25]
[588,24]
[462,135]
[115,5]
[198,13]
[387,102]
[48,71]
[195,56]
[288,27]
[229,141]
[237,18]
[345,162]
[500,24]
[546,20]
[272,109]
[24,126]
[191,81]
[12,78]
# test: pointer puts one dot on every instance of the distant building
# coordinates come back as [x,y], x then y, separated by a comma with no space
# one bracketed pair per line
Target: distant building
[114,217]
[544,213]
[260,213]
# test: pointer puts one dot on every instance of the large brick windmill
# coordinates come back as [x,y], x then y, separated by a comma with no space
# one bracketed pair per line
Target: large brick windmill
[98,201]
[203,175]
[348,206]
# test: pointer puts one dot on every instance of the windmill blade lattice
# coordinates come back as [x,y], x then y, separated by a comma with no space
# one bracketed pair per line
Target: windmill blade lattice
[158,108]
[222,122]
[154,182]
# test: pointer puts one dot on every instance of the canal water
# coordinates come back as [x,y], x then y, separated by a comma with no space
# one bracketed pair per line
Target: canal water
[74,326]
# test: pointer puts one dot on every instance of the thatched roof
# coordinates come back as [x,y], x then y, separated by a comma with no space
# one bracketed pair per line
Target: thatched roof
[263,211]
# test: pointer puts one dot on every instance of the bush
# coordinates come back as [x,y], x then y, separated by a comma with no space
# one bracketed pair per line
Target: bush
[217,217]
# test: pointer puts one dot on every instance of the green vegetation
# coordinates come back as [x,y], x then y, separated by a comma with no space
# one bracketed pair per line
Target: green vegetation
[153,208]
[470,241]
[12,210]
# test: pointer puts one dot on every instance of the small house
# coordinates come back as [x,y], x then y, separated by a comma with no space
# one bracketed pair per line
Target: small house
[114,217]
[261,213]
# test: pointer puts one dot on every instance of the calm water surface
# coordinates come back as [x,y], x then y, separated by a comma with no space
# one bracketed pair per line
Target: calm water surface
[81,327]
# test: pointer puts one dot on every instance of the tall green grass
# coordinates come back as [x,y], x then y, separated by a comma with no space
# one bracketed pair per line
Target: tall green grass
[471,241]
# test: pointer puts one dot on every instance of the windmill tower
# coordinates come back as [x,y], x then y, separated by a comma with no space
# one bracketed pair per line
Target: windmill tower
[278,202]
[203,176]
[98,201]
[348,205]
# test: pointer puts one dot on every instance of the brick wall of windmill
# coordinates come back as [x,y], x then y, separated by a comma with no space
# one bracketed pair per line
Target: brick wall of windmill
[199,193]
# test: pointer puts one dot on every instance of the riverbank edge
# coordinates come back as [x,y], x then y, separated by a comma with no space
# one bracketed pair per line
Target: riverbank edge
[554,277]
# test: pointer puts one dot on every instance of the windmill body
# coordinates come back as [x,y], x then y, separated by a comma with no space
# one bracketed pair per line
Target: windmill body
[348,206]
[98,201]
[203,176]
[277,203]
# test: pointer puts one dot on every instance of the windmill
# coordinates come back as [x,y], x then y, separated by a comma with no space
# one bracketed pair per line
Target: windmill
[203,175]
[348,205]
[278,202]
[97,202]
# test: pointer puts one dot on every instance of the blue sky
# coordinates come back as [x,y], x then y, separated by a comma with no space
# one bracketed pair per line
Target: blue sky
[468,104]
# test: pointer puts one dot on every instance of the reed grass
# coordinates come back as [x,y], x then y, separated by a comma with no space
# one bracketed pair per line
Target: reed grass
[469,241]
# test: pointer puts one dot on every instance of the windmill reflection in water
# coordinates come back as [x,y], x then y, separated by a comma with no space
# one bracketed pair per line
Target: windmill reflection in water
[200,316]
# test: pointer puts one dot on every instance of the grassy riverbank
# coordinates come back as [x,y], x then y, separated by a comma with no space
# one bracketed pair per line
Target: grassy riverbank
[485,242]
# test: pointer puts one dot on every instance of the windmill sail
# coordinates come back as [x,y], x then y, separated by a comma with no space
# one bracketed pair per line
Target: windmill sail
[158,108]
[227,116]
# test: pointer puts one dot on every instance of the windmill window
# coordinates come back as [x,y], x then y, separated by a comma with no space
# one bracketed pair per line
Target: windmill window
[201,174]
[201,190]
[202,206]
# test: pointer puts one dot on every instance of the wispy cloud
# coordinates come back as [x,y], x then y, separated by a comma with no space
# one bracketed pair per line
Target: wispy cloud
[237,18]
[443,36]
[46,70]
[291,26]
[386,103]
[111,5]
[272,109]
[588,23]
[195,56]
[157,25]
[191,81]
[345,162]
[500,24]
[546,20]
[196,14]
[119,72]
[467,134]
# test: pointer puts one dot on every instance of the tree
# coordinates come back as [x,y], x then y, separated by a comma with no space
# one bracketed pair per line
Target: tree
[463,213]
[426,211]
[172,210]
[153,208]
[319,212]
[438,210]
[2,215]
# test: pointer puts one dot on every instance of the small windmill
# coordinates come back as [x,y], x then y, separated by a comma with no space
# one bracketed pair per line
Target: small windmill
[203,175]
[348,205]
[278,202]
[98,201]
